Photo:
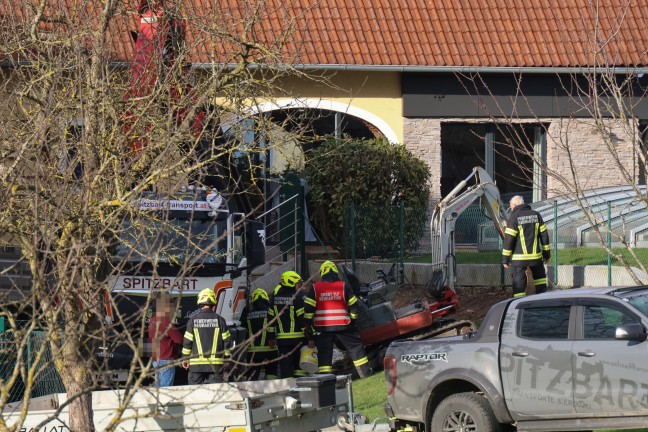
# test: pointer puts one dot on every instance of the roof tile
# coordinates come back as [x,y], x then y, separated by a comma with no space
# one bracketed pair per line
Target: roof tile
[487,33]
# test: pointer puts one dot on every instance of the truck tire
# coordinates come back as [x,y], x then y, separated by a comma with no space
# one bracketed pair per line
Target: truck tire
[465,412]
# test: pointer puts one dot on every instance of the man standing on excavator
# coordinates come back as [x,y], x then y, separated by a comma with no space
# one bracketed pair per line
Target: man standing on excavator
[526,245]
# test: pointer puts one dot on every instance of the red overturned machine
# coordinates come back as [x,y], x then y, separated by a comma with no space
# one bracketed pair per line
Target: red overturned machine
[380,323]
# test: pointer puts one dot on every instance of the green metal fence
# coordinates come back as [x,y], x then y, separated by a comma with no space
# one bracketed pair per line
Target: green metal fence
[577,243]
[47,379]
[383,232]
[378,236]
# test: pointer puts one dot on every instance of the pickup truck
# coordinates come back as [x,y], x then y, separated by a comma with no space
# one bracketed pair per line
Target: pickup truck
[566,360]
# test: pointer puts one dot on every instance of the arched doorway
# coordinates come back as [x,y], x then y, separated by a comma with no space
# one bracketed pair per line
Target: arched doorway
[377,125]
[288,130]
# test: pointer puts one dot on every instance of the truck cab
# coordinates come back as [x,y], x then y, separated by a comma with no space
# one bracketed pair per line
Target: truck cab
[180,244]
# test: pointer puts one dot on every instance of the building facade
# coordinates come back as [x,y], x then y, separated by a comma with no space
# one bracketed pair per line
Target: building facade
[545,96]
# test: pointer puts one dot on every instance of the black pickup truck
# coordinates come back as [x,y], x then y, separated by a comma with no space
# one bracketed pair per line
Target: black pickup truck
[561,361]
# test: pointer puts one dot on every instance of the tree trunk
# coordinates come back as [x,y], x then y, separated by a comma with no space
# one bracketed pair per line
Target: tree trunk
[81,415]
[77,350]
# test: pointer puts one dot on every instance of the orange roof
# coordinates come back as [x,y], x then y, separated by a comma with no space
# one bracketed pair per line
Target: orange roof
[410,33]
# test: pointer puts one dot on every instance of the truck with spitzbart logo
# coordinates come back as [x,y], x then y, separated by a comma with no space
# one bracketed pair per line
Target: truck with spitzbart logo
[566,360]
[179,243]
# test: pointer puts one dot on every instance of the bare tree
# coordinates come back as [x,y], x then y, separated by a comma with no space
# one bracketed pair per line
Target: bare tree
[83,138]
[595,140]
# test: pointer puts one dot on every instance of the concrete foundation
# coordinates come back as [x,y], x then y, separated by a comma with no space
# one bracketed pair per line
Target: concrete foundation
[487,275]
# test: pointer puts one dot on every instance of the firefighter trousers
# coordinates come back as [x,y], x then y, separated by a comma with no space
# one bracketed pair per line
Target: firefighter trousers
[520,279]
[289,352]
[263,361]
[204,377]
[350,340]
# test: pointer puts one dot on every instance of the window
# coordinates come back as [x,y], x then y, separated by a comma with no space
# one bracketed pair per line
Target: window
[600,322]
[544,322]
[639,301]
[178,240]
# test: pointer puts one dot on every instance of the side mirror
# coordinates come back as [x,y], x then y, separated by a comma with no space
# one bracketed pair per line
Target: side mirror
[254,243]
[631,332]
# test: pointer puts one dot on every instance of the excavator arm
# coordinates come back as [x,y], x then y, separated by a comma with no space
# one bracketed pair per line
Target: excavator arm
[446,212]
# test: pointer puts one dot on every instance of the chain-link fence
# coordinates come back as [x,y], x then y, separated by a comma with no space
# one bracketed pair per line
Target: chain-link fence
[47,380]
[382,235]
[384,232]
[376,237]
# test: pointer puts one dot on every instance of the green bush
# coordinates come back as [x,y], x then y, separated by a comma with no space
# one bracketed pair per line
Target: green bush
[371,173]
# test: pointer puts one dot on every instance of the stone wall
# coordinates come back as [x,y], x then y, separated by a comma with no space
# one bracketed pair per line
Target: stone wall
[493,275]
[423,139]
[569,141]
[596,157]
[595,161]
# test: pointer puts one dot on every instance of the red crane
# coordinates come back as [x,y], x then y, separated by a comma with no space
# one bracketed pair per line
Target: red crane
[159,42]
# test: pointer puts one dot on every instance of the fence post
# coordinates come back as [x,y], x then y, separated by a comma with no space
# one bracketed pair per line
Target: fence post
[401,239]
[500,243]
[301,239]
[555,242]
[353,237]
[609,242]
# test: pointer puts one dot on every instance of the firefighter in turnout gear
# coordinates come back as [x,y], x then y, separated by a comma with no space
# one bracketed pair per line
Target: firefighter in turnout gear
[331,310]
[206,342]
[526,245]
[288,305]
[262,351]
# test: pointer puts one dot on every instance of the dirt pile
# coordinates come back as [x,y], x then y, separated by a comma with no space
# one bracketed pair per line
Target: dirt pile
[474,302]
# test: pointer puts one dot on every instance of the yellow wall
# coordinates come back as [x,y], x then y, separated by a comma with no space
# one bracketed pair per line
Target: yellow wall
[377,93]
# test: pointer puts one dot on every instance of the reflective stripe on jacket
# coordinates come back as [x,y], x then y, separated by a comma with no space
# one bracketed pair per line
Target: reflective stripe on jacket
[526,240]
[206,340]
[258,328]
[331,307]
[288,305]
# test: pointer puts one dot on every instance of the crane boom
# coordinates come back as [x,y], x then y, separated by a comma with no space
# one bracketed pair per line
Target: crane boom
[446,212]
[155,71]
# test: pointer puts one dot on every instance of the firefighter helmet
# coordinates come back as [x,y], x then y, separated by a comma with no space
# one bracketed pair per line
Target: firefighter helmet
[260,293]
[207,297]
[290,279]
[328,266]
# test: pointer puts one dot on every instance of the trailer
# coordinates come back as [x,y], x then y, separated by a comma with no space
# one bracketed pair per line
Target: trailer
[287,405]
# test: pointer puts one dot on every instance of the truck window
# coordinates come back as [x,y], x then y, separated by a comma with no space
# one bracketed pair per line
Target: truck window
[176,240]
[600,322]
[640,302]
[544,322]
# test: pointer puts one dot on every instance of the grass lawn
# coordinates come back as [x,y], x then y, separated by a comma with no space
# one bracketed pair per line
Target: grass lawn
[370,394]
[568,256]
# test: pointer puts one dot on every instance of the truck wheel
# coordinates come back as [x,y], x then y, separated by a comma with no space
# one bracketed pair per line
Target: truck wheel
[464,412]
[376,358]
